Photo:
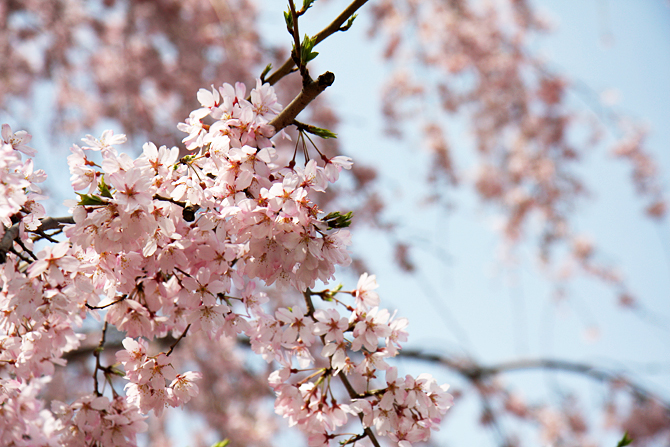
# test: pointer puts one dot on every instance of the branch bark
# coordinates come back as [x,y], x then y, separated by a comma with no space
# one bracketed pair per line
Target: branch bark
[309,91]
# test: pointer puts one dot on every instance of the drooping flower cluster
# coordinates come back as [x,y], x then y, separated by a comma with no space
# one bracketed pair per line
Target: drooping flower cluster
[163,246]
[38,305]
[356,349]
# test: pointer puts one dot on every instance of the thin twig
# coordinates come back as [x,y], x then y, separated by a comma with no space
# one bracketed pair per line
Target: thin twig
[354,395]
[43,235]
[96,353]
[168,199]
[25,249]
[297,48]
[475,372]
[106,305]
[334,27]
[21,256]
[183,334]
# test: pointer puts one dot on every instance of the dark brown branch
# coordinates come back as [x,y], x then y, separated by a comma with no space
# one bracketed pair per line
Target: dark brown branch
[309,91]
[96,353]
[183,334]
[20,243]
[51,223]
[18,254]
[354,395]
[88,306]
[334,27]
[12,233]
[168,199]
[308,301]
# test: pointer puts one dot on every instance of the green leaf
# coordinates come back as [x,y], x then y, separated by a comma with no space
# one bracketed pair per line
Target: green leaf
[306,53]
[288,18]
[223,443]
[311,55]
[89,200]
[338,220]
[104,189]
[319,132]
[266,70]
[349,23]
[626,440]
[306,4]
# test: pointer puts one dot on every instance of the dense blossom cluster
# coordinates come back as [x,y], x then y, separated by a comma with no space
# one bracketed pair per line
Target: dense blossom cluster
[161,246]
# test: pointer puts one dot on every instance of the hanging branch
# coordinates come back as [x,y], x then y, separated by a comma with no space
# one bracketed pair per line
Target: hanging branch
[173,345]
[476,373]
[307,294]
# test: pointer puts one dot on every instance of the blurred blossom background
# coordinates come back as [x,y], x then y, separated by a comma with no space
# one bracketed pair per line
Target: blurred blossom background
[442,247]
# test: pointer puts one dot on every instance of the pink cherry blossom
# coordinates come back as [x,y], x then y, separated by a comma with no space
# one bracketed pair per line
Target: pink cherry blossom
[18,141]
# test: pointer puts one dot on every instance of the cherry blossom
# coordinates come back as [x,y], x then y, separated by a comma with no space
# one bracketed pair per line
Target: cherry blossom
[162,246]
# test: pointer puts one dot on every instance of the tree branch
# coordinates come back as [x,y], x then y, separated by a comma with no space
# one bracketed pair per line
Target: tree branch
[12,233]
[475,373]
[352,394]
[172,346]
[96,353]
[309,91]
[334,27]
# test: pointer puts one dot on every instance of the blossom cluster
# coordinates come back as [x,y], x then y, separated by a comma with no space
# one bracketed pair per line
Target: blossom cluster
[38,305]
[163,245]
[356,348]
[147,388]
[18,179]
[97,420]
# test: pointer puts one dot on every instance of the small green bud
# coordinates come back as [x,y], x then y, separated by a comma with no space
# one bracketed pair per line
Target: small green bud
[104,189]
[266,70]
[306,4]
[349,23]
[306,53]
[288,18]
